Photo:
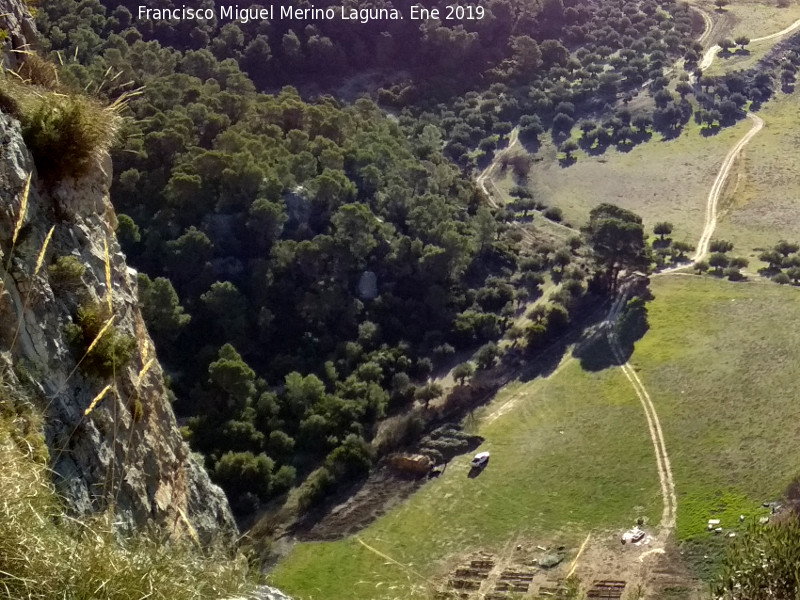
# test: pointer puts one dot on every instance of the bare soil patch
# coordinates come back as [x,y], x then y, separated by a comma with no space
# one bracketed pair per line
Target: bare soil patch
[382,491]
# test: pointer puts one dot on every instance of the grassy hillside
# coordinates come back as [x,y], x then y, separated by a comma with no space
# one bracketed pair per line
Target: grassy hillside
[757,18]
[754,19]
[567,457]
[571,454]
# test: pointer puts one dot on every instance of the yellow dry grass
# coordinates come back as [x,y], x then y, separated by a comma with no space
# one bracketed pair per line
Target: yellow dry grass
[23,210]
[108,277]
[48,555]
[96,400]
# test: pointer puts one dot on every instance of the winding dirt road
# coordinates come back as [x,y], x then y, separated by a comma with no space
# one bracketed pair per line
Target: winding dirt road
[778,34]
[708,23]
[486,174]
[663,465]
[669,513]
[719,184]
[485,181]
[712,52]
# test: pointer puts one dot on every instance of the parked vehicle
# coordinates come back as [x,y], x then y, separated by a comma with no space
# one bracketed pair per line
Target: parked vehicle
[481,460]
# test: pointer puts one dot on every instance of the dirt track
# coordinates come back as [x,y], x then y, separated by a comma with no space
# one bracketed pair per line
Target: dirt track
[778,34]
[712,52]
[669,513]
[668,517]
[709,26]
[486,174]
[719,184]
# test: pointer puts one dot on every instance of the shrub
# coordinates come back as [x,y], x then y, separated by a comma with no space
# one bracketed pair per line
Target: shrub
[66,273]
[9,104]
[733,274]
[554,214]
[315,488]
[111,351]
[40,72]
[534,334]
[462,371]
[428,392]
[128,232]
[719,261]
[283,479]
[443,351]
[557,320]
[66,133]
[781,278]
[720,246]
[242,472]
[486,355]
[280,443]
[519,191]
[350,460]
[533,263]
[402,391]
[761,563]
[398,431]
[632,323]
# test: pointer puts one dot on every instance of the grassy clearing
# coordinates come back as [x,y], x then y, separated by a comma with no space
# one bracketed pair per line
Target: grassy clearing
[718,363]
[735,61]
[762,205]
[659,180]
[726,397]
[757,18]
[559,466]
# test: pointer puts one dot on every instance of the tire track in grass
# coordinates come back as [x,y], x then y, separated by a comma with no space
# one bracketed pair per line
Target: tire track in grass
[719,184]
[668,514]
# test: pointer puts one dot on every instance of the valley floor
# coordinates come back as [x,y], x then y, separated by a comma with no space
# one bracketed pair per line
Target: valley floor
[573,462]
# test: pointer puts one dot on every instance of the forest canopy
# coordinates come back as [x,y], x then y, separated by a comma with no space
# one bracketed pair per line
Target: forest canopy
[306,263]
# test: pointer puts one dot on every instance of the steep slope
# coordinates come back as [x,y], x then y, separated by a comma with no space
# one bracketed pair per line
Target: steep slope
[127,451]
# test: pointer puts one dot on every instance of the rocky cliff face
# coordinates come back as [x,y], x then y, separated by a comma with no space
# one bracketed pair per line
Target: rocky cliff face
[127,452]
[20,36]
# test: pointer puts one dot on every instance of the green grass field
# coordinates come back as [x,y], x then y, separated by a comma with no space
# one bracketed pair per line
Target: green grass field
[753,19]
[571,453]
[568,456]
[719,364]
[757,18]
[762,202]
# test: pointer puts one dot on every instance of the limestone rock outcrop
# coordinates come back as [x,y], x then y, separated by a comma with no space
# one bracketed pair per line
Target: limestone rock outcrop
[20,32]
[128,450]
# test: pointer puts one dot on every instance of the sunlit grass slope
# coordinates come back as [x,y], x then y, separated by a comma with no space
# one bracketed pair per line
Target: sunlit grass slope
[569,454]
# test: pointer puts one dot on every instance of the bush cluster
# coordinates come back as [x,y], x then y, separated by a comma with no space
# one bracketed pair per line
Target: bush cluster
[110,352]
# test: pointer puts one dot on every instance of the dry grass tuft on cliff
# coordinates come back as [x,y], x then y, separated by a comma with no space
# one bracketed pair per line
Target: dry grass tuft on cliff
[67,132]
[46,555]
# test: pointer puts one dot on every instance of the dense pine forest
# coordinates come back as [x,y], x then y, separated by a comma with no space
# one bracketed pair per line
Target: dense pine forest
[307,262]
